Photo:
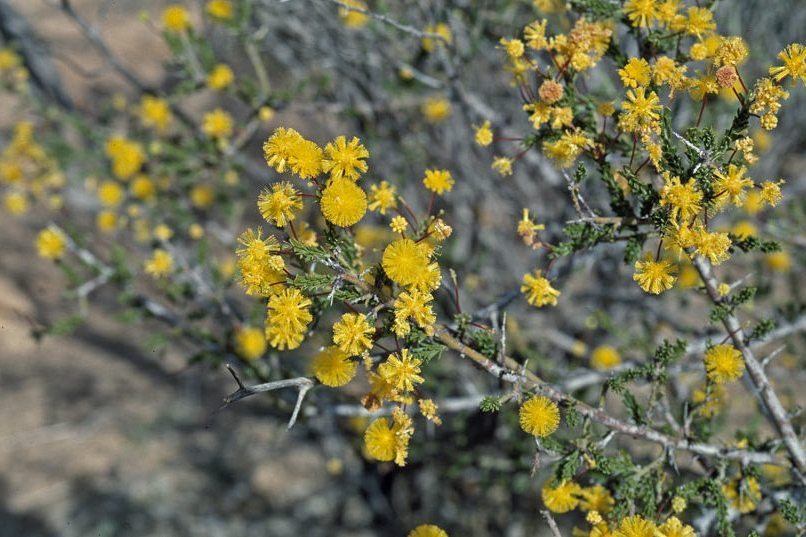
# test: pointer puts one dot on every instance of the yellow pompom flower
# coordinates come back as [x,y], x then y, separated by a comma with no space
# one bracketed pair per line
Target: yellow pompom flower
[380,441]
[438,181]
[484,134]
[679,504]
[730,186]
[345,159]
[353,333]
[250,343]
[683,198]
[436,110]
[261,270]
[778,261]
[562,498]
[110,194]
[107,221]
[202,196]
[343,202]
[217,124]
[771,192]
[401,370]
[155,112]
[539,416]
[745,495]
[333,367]
[160,264]
[596,499]
[403,260]
[724,363]
[352,18]
[502,165]
[674,528]
[398,224]
[605,357]
[50,244]
[641,12]
[427,530]
[280,204]
[15,203]
[279,147]
[635,526]
[143,188]
[635,73]
[654,276]
[794,58]
[714,245]
[640,111]
[220,9]
[176,18]
[441,29]
[538,290]
[699,21]
[287,319]
[382,197]
[306,159]
[220,77]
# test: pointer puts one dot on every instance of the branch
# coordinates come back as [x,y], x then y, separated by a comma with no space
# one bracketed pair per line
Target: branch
[755,370]
[555,530]
[391,22]
[303,384]
[531,381]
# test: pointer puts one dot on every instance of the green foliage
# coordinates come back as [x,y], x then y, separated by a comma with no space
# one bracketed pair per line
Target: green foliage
[490,404]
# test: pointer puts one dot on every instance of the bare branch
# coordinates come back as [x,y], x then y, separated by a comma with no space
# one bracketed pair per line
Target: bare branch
[555,530]
[303,384]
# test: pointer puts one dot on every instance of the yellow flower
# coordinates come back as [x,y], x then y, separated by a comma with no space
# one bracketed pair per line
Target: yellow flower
[202,196]
[398,224]
[605,357]
[771,192]
[383,197]
[155,112]
[513,47]
[724,363]
[261,270]
[635,526]
[484,134]
[714,245]
[436,110]
[539,416]
[502,165]
[217,124]
[266,113]
[250,343]
[744,495]
[596,499]
[287,319]
[279,147]
[343,202]
[380,441]
[683,198]
[352,18]
[401,370]
[641,12]
[413,304]
[402,260]
[679,504]
[744,229]
[731,51]
[16,203]
[699,21]
[640,110]
[535,35]
[730,186]
[438,181]
[127,156]
[794,58]
[220,9]
[343,159]
[427,530]
[353,333]
[143,188]
[428,409]
[442,30]
[110,194]
[635,73]
[778,261]
[220,77]
[280,204]
[674,528]
[176,18]
[333,367]
[654,276]
[160,264]
[107,221]
[562,498]
[163,232]
[50,244]
[538,290]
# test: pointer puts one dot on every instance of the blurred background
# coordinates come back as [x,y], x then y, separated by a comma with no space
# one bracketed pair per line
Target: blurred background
[109,431]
